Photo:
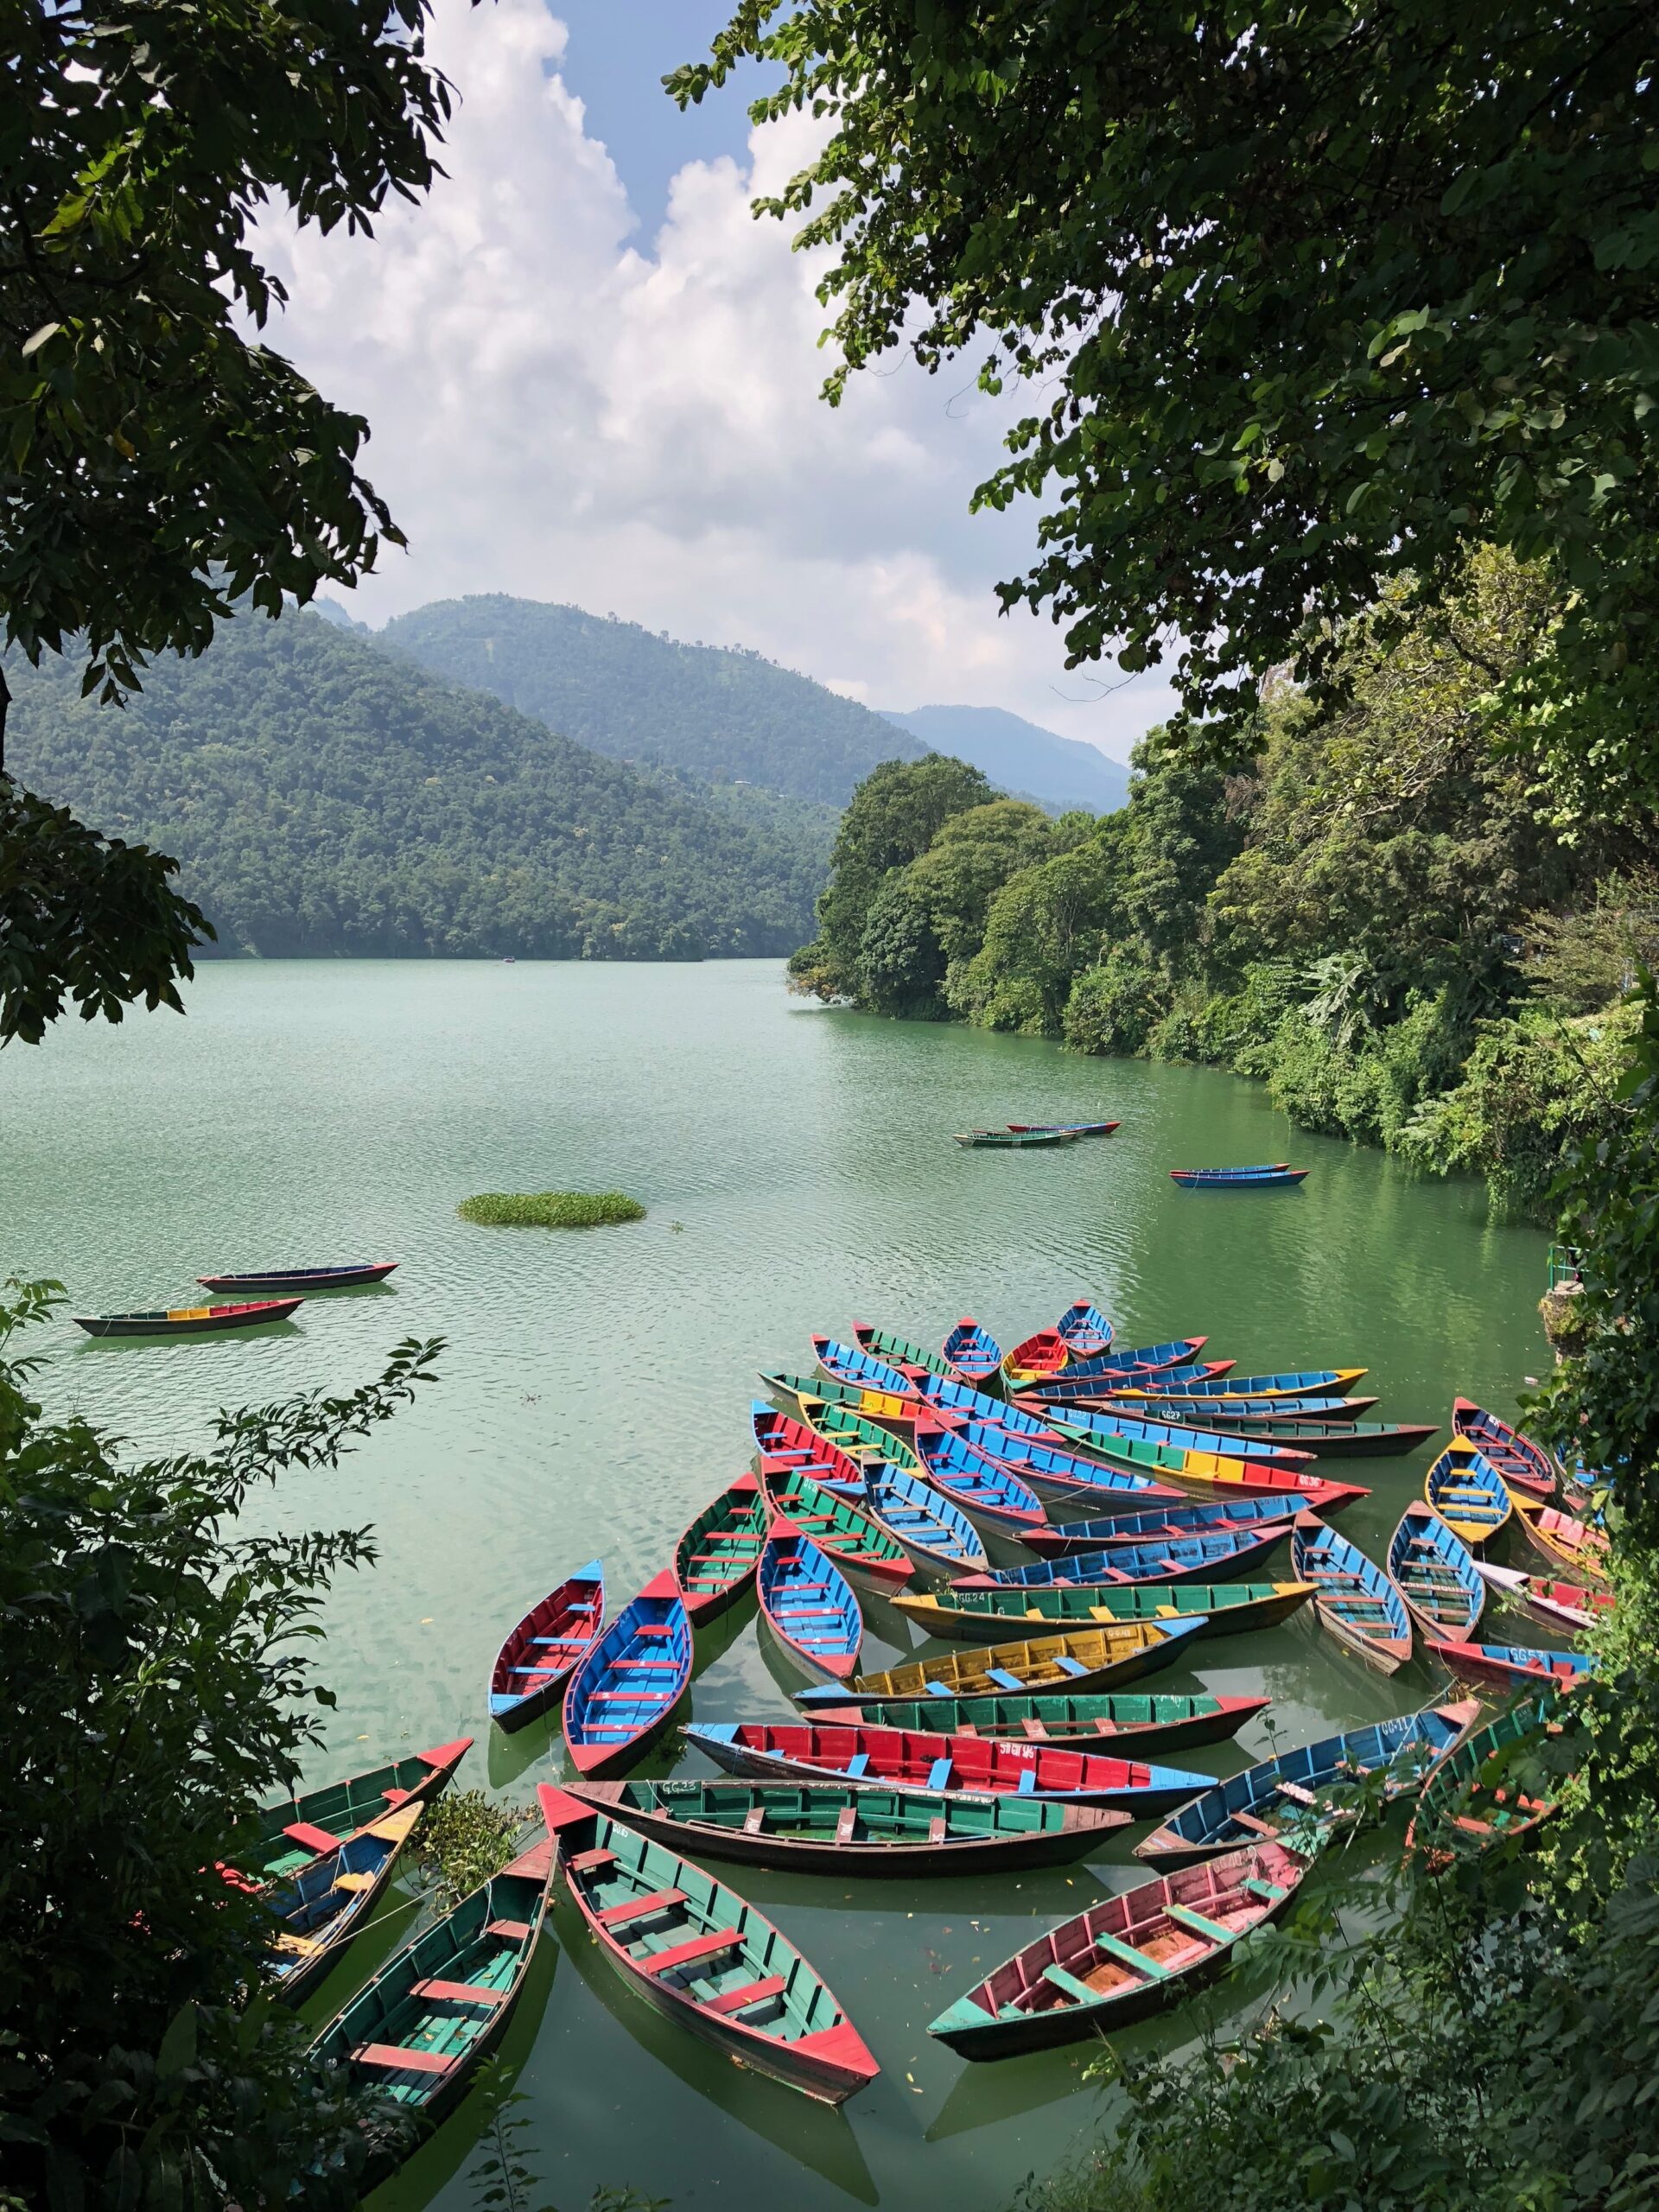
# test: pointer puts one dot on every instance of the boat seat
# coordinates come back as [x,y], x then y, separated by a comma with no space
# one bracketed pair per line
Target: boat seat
[1071,1985]
[685,1954]
[509,1931]
[750,1993]
[1028,1782]
[313,1838]
[396,2059]
[559,1643]
[754,1820]
[939,1775]
[1295,1792]
[936,1828]
[1185,1917]
[857,1766]
[644,1695]
[656,1666]
[1127,1955]
[302,1946]
[459,1992]
[397,1796]
[1256,1827]
[585,1862]
[654,1628]
[1003,1680]
[1269,1893]
[613,1916]
[941,1689]
[1473,1826]
[1035,1731]
[846,1823]
[354,1884]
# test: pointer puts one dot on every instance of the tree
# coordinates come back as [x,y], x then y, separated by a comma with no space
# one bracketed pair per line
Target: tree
[156,1692]
[1317,295]
[157,464]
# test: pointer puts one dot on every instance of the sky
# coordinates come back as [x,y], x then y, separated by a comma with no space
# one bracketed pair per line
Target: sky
[592,376]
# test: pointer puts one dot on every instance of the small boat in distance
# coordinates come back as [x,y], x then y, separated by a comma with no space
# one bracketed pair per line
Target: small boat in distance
[1237,1178]
[1017,1140]
[534,1661]
[1071,1128]
[301,1279]
[188,1320]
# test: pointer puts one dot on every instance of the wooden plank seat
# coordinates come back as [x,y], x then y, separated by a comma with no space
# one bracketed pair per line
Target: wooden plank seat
[1071,1985]
[354,1884]
[1184,1916]
[300,1946]
[1035,1732]
[1005,1681]
[1269,1893]
[397,1796]
[846,1822]
[750,1992]
[585,1862]
[509,1931]
[1127,1955]
[645,1908]
[645,1694]
[396,2059]
[1294,1791]
[1068,1665]
[936,1828]
[939,1775]
[313,1838]
[685,1954]
[458,1993]
[657,1666]
[1256,1827]
[754,1820]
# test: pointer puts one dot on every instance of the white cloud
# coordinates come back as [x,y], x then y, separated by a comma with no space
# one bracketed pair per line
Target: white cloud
[558,413]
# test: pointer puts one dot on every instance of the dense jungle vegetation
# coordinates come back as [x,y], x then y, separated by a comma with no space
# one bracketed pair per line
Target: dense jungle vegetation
[1374,916]
[324,795]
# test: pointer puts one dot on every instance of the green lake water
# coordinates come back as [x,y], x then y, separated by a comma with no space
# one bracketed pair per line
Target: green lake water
[798,1168]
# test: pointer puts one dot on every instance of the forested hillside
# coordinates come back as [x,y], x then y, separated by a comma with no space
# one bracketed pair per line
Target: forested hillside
[1378,918]
[324,795]
[723,716]
[1022,756]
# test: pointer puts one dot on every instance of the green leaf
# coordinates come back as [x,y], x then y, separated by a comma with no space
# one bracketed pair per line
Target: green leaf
[178,2045]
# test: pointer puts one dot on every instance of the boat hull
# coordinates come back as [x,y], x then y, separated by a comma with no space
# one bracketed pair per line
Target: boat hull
[1089,1660]
[565,1625]
[610,1717]
[307,1279]
[1221,1608]
[1142,1723]
[190,1320]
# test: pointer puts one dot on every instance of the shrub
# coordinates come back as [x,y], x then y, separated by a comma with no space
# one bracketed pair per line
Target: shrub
[466,1838]
[1114,1007]
[550,1209]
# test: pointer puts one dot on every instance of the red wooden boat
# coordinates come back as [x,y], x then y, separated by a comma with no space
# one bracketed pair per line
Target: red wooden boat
[1511,1666]
[1523,1465]
[1564,1605]
[533,1665]
[188,1320]
[287,1280]
[715,1559]
[1044,1352]
[1563,1541]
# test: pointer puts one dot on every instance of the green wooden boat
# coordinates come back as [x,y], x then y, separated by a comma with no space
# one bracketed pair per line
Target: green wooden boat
[1486,1787]
[1220,1608]
[1087,1659]
[297,1830]
[859,1437]
[715,1560]
[899,1351]
[850,1537]
[1017,1140]
[873,1405]
[1138,1721]
[832,1827]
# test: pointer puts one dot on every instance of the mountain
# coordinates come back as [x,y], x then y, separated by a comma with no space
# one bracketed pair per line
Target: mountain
[1022,756]
[325,796]
[718,713]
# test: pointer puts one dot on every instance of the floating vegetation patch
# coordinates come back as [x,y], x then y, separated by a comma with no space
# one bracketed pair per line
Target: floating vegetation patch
[550,1209]
[466,1838]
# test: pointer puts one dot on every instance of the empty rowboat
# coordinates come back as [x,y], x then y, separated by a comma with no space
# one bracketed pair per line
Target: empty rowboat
[1084,1330]
[1432,1569]
[189,1320]
[715,1560]
[1044,1352]
[991,1495]
[1467,1492]
[1353,1598]
[1074,1128]
[828,1828]
[808,1604]
[1237,1178]
[1523,1465]
[1225,1608]
[972,1352]
[1563,1540]
[1107,1432]
[622,1695]
[535,1662]
[1328,1439]
[1492,1786]
[1126,1957]
[325,1904]
[901,1352]
[858,1545]
[936,1535]
[900,1758]
[1085,1659]
[1229,1517]
[296,1830]
[701,1957]
[1129,1720]
[1009,1140]
[1512,1666]
[1196,1558]
[812,1390]
[1060,1474]
[1572,1605]
[305,1280]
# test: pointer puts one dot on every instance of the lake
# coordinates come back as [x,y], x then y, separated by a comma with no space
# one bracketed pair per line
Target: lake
[798,1169]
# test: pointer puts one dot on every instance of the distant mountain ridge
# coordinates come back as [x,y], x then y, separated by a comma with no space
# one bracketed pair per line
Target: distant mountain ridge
[1022,756]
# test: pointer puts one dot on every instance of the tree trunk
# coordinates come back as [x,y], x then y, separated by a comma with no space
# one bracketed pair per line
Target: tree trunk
[5,701]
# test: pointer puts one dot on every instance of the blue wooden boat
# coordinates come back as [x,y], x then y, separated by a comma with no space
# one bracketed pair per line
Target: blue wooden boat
[1237,1178]
[938,1535]
[306,1280]
[848,1363]
[1434,1572]
[1354,1599]
[808,1604]
[1292,1382]
[1523,1463]
[1140,1428]
[991,1495]
[1157,1524]
[967,1404]
[1248,1808]
[622,1695]
[1513,1666]
[1468,1492]
[1172,1357]
[972,1352]
[1053,1474]
[325,1905]
[534,1662]
[1085,1329]
[1325,1440]
[1169,1559]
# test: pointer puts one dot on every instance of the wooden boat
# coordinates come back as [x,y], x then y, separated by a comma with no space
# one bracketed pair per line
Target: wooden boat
[1512,1666]
[972,1352]
[1237,1178]
[937,1536]
[782,1442]
[858,1545]
[900,1351]
[1167,1358]
[1297,1784]
[812,1390]
[295,1831]
[1224,1608]
[701,1957]
[622,1694]
[1571,1606]
[808,1603]
[1523,1465]
[1085,1659]
[418,2032]
[1222,1472]
[989,1493]
[1353,1598]
[1431,1568]
[1563,1540]
[1167,1560]
[332,1898]
[1137,1721]
[1109,1432]
[1221,1409]
[189,1320]
[1344,1439]
[1084,1330]
[1077,1128]
[1153,1524]
[866,1442]
[1291,1383]
[835,1828]
[900,1758]
[1044,1352]
[533,1665]
[1480,1791]
[715,1559]
[305,1280]
[848,1363]
[1467,1493]
[1017,1140]
[1123,1958]
[1064,1475]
